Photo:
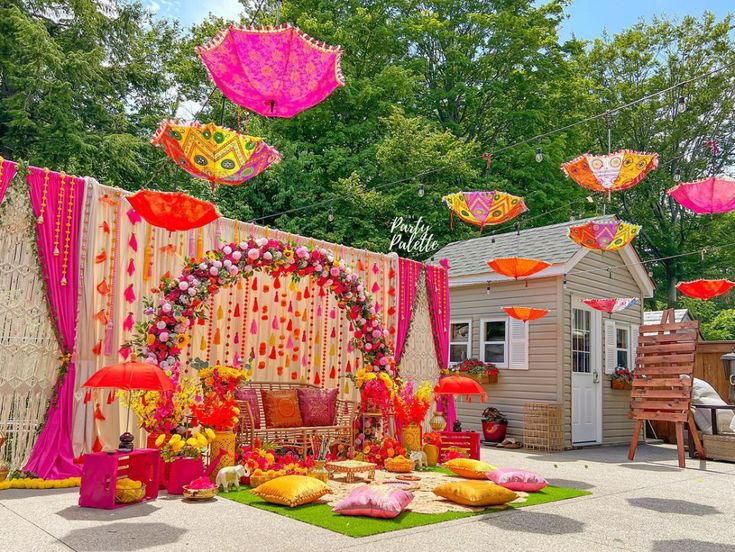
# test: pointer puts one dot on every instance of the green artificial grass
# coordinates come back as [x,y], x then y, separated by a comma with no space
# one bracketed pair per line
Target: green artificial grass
[321,515]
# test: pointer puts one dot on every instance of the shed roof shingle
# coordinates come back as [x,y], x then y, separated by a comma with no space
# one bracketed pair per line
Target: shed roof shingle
[549,243]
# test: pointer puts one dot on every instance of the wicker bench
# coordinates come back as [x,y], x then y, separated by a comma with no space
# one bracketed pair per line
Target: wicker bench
[295,438]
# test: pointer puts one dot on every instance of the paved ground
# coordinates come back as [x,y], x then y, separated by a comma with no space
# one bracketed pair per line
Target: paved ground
[648,505]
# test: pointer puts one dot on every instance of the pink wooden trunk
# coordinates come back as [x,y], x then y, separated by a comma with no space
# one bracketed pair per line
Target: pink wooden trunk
[102,470]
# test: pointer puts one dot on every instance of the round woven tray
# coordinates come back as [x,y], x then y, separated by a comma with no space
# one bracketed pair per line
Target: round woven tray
[199,494]
[128,496]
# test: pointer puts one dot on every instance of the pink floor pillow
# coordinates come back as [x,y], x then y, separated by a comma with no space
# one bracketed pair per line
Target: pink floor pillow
[376,501]
[517,480]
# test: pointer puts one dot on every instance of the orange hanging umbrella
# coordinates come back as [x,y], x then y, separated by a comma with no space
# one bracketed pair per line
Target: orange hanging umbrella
[525,313]
[705,289]
[460,385]
[517,267]
[173,210]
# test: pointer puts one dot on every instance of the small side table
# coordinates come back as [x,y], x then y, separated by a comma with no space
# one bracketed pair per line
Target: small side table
[101,471]
[468,441]
[351,468]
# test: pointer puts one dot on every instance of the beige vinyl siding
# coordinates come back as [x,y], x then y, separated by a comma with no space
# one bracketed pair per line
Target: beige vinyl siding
[616,427]
[540,382]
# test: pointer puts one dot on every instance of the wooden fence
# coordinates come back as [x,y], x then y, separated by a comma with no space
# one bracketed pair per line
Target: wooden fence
[708,367]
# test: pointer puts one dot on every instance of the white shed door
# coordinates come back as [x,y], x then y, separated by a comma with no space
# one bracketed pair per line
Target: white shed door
[586,369]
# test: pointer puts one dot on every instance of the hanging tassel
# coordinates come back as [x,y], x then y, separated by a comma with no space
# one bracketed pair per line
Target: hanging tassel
[333,373]
[255,305]
[97,446]
[317,379]
[110,397]
[290,307]
[124,352]
[201,321]
[102,288]
[289,326]
[332,350]
[203,344]
[375,288]
[217,337]
[304,316]
[346,389]
[332,313]
[101,258]
[133,242]
[292,286]
[279,370]
[133,216]
[254,285]
[262,348]
[98,414]
[97,349]
[319,311]
[266,288]
[304,360]
[322,293]
[170,248]
[334,333]
[307,293]
[129,294]
[391,311]
[236,339]
[391,273]
[348,368]
[237,314]
[392,292]
[360,265]
[107,200]
[101,316]
[274,324]
[253,327]
[220,313]
[87,396]
[375,268]
[289,343]
[105,227]
[131,268]
[349,349]
[272,340]
[128,322]
[276,283]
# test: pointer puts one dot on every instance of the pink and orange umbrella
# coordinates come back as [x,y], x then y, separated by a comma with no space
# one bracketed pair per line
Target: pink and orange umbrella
[484,208]
[273,71]
[610,172]
[604,235]
[705,289]
[611,304]
[525,314]
[706,197]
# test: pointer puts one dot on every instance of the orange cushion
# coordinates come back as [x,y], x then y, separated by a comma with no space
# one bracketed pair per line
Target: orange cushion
[281,408]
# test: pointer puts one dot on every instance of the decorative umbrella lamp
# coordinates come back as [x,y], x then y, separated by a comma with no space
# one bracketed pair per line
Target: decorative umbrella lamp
[610,172]
[525,314]
[611,304]
[273,71]
[604,235]
[705,289]
[484,208]
[706,197]
[173,211]
[214,153]
[129,376]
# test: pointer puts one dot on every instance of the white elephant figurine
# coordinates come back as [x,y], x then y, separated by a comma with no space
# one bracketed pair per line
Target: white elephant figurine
[419,459]
[229,477]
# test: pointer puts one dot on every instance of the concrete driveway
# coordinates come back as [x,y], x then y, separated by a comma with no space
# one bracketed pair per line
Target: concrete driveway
[646,505]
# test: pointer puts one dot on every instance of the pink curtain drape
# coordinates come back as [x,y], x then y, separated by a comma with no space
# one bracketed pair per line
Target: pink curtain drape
[7,172]
[408,278]
[58,199]
[437,289]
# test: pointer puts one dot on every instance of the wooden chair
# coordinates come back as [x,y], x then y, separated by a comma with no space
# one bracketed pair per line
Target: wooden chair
[663,378]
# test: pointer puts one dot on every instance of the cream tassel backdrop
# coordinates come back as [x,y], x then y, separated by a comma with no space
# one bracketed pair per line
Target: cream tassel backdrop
[29,351]
[419,358]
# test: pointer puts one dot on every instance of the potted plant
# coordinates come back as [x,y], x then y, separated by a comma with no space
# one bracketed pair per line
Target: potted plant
[482,372]
[184,454]
[410,410]
[494,425]
[622,378]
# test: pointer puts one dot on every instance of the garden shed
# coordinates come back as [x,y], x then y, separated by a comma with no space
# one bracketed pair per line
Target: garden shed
[565,358]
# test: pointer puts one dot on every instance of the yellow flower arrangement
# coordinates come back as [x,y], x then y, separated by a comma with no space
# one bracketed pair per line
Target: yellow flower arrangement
[37,483]
[178,446]
[182,340]
[288,253]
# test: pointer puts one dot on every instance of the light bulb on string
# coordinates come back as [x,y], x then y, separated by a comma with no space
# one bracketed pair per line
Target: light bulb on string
[488,289]
[330,216]
[564,284]
[677,174]
[539,154]
[421,189]
[681,105]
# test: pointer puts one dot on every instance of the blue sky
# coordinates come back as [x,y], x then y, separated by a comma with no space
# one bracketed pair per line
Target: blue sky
[587,18]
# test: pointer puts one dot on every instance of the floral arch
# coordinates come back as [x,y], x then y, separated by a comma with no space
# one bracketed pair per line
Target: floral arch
[161,339]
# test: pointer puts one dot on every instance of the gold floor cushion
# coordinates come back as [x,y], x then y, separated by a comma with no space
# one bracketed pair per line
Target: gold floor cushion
[466,467]
[292,490]
[475,493]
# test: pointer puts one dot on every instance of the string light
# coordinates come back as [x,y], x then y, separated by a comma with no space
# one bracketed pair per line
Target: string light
[677,174]
[421,189]
[488,289]
[330,216]
[681,105]
[539,154]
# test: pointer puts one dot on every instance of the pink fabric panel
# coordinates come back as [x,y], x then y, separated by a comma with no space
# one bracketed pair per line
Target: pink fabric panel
[53,457]
[7,172]
[437,289]
[408,277]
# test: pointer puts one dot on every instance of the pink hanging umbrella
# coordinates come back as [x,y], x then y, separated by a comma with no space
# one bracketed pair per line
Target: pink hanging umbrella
[706,197]
[611,304]
[276,72]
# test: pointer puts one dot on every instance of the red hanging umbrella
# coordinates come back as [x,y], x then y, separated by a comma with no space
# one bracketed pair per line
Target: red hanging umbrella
[517,267]
[173,210]
[276,72]
[460,385]
[706,197]
[525,313]
[128,376]
[705,289]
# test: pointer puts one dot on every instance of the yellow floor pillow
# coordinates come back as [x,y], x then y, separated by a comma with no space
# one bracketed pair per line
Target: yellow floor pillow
[292,490]
[475,493]
[471,469]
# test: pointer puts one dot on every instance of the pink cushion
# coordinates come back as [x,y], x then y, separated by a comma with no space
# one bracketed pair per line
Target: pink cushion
[377,501]
[250,396]
[517,480]
[318,406]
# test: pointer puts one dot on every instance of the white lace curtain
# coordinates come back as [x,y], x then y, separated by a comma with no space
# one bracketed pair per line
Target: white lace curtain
[28,348]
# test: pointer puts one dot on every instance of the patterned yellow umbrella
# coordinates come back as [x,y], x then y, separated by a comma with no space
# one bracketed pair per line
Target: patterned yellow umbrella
[484,208]
[610,172]
[604,235]
[214,153]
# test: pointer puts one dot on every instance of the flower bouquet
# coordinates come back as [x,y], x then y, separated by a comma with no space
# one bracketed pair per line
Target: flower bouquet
[482,372]
[177,446]
[161,412]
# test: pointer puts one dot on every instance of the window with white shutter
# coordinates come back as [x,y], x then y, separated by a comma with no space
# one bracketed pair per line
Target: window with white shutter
[518,339]
[633,345]
[611,355]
